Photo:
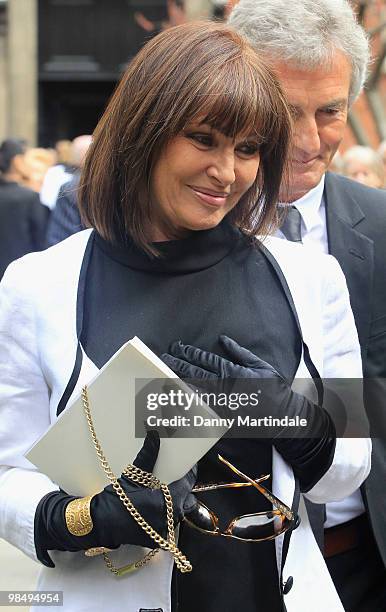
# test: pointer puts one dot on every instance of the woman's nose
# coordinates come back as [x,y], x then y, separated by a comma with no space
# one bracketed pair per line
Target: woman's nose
[222,168]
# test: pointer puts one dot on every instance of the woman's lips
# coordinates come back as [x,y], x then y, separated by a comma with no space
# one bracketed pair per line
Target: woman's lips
[210,197]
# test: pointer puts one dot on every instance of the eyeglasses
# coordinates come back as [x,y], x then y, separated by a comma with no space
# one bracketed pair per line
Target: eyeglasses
[257,527]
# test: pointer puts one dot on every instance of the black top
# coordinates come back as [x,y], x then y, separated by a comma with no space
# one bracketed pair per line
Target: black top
[214,282]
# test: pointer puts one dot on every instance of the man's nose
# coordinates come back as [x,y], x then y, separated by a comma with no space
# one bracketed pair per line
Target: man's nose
[222,167]
[307,138]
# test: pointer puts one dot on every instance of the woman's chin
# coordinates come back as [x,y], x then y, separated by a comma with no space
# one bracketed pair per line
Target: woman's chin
[180,228]
[204,223]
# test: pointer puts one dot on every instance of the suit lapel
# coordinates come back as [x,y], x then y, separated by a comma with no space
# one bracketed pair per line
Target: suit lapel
[353,250]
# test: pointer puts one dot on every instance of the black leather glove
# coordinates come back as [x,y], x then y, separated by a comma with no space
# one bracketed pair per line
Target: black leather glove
[311,452]
[112,523]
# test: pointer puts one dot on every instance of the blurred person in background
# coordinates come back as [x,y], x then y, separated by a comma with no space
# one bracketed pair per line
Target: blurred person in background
[336,164]
[222,8]
[37,162]
[364,165]
[63,152]
[13,167]
[382,153]
[175,16]
[219,9]
[23,219]
[65,217]
[60,174]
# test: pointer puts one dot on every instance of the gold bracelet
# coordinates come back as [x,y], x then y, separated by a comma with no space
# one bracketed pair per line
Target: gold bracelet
[78,516]
[96,551]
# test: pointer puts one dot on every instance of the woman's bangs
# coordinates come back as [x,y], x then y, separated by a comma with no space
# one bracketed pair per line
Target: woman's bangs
[231,105]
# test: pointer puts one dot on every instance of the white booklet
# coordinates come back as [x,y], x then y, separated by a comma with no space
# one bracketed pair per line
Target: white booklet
[66,452]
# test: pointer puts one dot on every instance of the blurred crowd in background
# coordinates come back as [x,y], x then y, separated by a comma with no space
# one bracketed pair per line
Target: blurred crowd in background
[38,190]
[31,179]
[363,164]
[38,186]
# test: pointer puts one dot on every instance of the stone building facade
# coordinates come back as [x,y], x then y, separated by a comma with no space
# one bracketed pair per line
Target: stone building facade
[33,87]
[56,75]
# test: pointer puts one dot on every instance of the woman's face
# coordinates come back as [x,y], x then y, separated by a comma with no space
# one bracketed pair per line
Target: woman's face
[199,177]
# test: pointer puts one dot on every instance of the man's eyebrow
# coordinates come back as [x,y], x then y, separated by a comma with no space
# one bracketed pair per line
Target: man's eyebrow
[339,104]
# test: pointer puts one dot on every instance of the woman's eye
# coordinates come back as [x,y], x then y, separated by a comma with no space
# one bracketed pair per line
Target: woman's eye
[203,139]
[248,148]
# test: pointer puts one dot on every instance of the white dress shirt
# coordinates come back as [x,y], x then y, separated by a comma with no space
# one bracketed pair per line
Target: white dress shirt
[55,177]
[313,229]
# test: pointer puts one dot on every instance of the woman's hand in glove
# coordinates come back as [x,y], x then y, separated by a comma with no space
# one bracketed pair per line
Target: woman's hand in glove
[120,527]
[243,372]
[112,523]
[309,450]
[191,362]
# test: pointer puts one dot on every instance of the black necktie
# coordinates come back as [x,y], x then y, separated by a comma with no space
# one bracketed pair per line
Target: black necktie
[291,227]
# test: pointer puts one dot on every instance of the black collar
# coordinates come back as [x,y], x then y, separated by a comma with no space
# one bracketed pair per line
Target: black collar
[201,250]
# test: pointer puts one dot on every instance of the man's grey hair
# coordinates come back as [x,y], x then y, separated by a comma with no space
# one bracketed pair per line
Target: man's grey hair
[306,33]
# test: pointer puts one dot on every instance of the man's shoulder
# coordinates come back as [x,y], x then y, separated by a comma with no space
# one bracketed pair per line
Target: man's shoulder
[372,201]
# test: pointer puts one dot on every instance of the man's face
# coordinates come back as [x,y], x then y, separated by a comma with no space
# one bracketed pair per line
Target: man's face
[318,100]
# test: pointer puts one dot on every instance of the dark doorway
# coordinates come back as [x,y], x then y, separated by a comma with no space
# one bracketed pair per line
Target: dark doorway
[84,46]
[70,108]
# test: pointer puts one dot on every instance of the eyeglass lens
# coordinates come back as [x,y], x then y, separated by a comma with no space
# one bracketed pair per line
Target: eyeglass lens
[259,526]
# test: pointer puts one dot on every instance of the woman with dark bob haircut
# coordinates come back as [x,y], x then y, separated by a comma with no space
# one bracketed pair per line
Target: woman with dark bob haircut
[207,76]
[182,176]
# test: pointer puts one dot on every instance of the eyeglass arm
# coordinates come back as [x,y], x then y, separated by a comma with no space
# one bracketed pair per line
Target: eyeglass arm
[267,494]
[226,485]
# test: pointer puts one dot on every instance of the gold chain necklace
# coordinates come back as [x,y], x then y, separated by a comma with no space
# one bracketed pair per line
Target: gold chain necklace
[148,480]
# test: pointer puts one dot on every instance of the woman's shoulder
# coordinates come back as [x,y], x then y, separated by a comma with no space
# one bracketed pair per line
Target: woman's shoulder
[76,244]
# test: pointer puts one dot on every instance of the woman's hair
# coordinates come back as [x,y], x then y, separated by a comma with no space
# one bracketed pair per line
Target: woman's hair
[196,70]
[306,33]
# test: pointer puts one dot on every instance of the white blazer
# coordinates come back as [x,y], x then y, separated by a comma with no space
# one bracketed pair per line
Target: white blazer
[38,344]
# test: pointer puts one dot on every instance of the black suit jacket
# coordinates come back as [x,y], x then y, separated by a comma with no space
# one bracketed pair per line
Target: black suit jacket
[356,227]
[23,222]
[65,218]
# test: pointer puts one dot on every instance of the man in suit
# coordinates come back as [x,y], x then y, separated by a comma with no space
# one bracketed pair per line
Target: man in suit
[320,54]
[23,219]
[65,218]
